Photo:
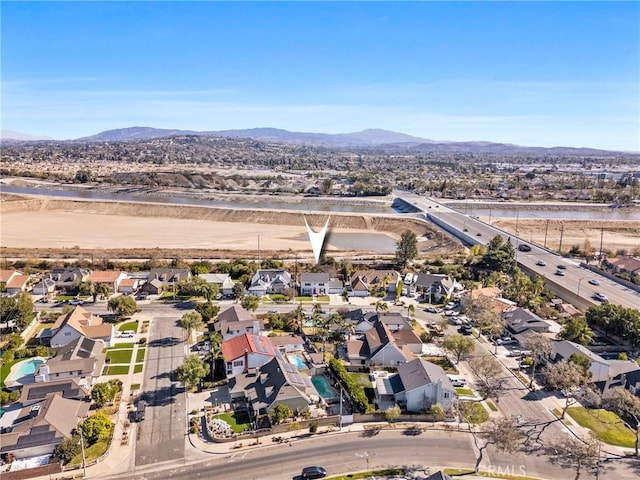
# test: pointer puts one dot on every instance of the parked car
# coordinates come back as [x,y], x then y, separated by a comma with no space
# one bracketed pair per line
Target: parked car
[514,353]
[465,330]
[450,306]
[431,310]
[455,321]
[505,341]
[313,472]
[541,263]
[593,281]
[139,415]
[458,382]
[434,324]
[76,301]
[128,334]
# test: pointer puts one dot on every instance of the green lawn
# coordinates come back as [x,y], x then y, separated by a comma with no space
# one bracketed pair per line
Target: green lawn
[361,378]
[239,421]
[119,356]
[120,345]
[4,371]
[474,412]
[137,368]
[606,426]
[128,326]
[140,355]
[442,362]
[91,453]
[492,406]
[135,386]
[116,370]
[505,476]
[464,391]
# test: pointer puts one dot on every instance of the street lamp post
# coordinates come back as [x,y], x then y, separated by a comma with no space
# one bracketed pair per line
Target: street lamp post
[84,459]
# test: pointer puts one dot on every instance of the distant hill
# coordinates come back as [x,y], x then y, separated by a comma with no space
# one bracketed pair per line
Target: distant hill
[21,137]
[380,139]
[370,137]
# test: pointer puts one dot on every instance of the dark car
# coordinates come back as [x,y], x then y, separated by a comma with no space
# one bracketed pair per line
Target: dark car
[524,247]
[562,267]
[313,472]
[142,406]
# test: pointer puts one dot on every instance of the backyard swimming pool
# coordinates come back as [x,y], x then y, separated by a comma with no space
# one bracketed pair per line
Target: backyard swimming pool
[322,386]
[297,360]
[22,372]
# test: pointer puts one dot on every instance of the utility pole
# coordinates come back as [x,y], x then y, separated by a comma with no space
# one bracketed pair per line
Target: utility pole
[84,460]
[561,233]
[601,237]
[546,229]
[259,261]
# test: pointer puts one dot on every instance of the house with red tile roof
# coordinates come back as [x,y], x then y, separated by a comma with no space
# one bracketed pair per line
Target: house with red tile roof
[128,285]
[111,278]
[246,351]
[78,322]
[6,275]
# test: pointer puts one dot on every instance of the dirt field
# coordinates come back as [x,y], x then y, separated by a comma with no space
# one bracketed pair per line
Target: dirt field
[29,224]
[617,234]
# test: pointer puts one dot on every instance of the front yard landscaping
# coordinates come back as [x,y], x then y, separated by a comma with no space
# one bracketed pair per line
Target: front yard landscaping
[137,368]
[442,362]
[465,391]
[140,355]
[116,370]
[128,326]
[606,425]
[474,412]
[239,421]
[119,356]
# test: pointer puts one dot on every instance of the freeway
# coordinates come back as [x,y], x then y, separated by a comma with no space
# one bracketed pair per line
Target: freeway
[571,282]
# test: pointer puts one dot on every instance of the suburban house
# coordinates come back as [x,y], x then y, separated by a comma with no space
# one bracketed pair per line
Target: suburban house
[17,283]
[267,281]
[319,284]
[521,320]
[79,322]
[393,321]
[436,286]
[380,346]
[287,343]
[45,286]
[67,388]
[622,374]
[244,352]
[632,381]
[7,275]
[222,280]
[415,387]
[277,382]
[128,285]
[476,293]
[82,359]
[110,278]
[628,265]
[235,321]
[69,278]
[153,287]
[362,281]
[169,276]
[37,428]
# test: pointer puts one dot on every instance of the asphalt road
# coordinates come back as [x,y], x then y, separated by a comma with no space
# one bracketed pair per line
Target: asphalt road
[353,452]
[575,279]
[161,436]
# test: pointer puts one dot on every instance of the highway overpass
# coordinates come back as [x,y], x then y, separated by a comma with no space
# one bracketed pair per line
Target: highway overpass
[564,276]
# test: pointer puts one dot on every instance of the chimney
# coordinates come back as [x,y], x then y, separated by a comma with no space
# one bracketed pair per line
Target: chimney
[246,360]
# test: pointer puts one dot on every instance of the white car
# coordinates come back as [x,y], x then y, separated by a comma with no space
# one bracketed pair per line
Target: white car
[458,382]
[450,306]
[76,301]
[600,297]
[456,321]
[128,334]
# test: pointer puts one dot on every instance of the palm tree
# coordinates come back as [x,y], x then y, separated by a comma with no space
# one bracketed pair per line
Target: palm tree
[191,321]
[411,310]
[381,306]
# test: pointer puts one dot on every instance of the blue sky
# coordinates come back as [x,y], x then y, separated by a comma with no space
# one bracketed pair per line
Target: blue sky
[540,73]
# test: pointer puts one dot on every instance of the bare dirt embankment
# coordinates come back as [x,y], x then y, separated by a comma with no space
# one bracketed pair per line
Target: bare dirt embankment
[616,234]
[45,227]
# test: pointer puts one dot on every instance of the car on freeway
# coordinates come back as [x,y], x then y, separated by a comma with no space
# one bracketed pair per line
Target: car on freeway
[600,297]
[593,281]
[431,310]
[560,273]
[523,247]
[541,263]
[465,230]
[478,234]
[313,472]
[562,267]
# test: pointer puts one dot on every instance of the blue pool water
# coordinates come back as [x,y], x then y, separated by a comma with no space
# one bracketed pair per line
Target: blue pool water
[609,356]
[27,367]
[323,387]
[297,360]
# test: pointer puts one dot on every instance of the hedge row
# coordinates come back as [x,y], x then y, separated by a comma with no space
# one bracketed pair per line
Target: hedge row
[356,391]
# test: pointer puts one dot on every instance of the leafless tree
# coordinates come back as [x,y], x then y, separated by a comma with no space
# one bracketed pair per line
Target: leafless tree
[540,348]
[490,372]
[580,454]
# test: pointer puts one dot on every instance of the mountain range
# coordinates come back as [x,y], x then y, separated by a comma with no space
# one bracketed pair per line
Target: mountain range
[376,138]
